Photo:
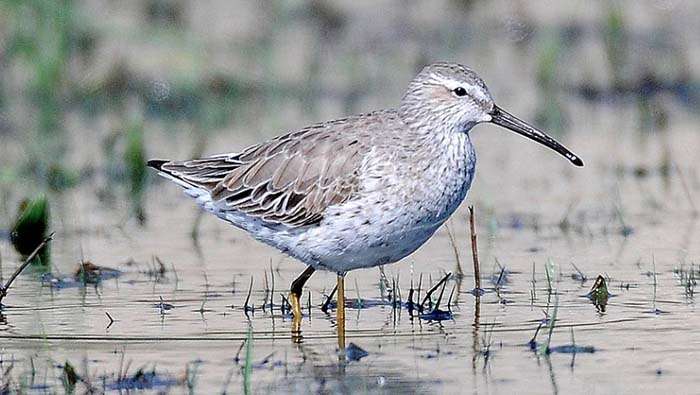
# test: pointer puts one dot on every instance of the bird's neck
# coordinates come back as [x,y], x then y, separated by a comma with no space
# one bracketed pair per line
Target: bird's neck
[450,155]
[443,145]
[450,162]
[440,137]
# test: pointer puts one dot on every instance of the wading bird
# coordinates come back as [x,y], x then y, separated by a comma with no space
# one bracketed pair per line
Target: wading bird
[361,191]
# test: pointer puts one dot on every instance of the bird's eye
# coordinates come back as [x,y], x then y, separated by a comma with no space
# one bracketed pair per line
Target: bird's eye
[459,91]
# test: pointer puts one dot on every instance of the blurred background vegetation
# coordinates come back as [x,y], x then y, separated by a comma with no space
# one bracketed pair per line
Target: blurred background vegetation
[90,89]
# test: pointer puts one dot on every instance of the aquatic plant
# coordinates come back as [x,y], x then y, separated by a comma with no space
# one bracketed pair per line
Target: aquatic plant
[615,40]
[246,307]
[545,347]
[142,379]
[579,275]
[435,313]
[359,303]
[31,227]
[459,273]
[248,367]
[475,253]
[550,114]
[135,161]
[549,271]
[533,288]
[60,177]
[69,378]
[687,280]
[599,294]
[41,34]
[329,300]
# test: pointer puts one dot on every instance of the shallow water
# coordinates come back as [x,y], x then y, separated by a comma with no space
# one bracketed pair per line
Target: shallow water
[644,336]
[627,215]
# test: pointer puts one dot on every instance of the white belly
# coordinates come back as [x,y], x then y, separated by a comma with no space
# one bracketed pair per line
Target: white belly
[396,214]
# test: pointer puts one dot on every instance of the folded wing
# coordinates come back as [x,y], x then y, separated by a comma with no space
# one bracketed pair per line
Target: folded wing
[289,180]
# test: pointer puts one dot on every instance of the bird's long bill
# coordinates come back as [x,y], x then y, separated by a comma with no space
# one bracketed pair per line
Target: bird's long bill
[502,118]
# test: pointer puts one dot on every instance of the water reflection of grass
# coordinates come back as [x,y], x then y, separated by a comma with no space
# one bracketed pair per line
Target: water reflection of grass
[248,364]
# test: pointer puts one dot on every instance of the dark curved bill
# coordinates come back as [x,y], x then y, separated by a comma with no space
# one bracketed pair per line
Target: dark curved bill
[502,118]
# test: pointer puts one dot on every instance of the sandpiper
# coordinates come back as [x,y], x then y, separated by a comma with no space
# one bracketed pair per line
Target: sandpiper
[361,191]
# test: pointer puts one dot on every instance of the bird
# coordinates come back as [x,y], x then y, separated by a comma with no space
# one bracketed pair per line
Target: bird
[360,191]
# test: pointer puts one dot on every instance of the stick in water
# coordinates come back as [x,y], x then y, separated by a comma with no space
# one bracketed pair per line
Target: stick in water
[3,289]
[475,254]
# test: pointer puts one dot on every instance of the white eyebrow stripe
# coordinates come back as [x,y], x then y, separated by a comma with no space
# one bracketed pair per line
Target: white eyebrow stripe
[451,84]
[447,82]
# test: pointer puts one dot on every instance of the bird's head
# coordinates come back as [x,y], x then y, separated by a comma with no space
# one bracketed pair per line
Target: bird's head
[453,98]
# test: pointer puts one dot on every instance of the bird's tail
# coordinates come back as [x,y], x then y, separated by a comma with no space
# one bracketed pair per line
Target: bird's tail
[156,163]
[190,187]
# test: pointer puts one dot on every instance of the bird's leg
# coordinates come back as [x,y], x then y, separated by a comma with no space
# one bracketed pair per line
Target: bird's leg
[295,292]
[340,312]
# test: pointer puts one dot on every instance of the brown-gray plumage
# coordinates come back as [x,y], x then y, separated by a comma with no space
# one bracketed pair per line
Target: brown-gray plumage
[290,179]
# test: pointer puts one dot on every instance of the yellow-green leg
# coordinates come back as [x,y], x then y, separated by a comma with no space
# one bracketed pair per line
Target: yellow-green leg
[295,298]
[340,312]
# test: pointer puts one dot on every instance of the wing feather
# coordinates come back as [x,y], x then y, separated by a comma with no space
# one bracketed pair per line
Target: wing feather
[291,179]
